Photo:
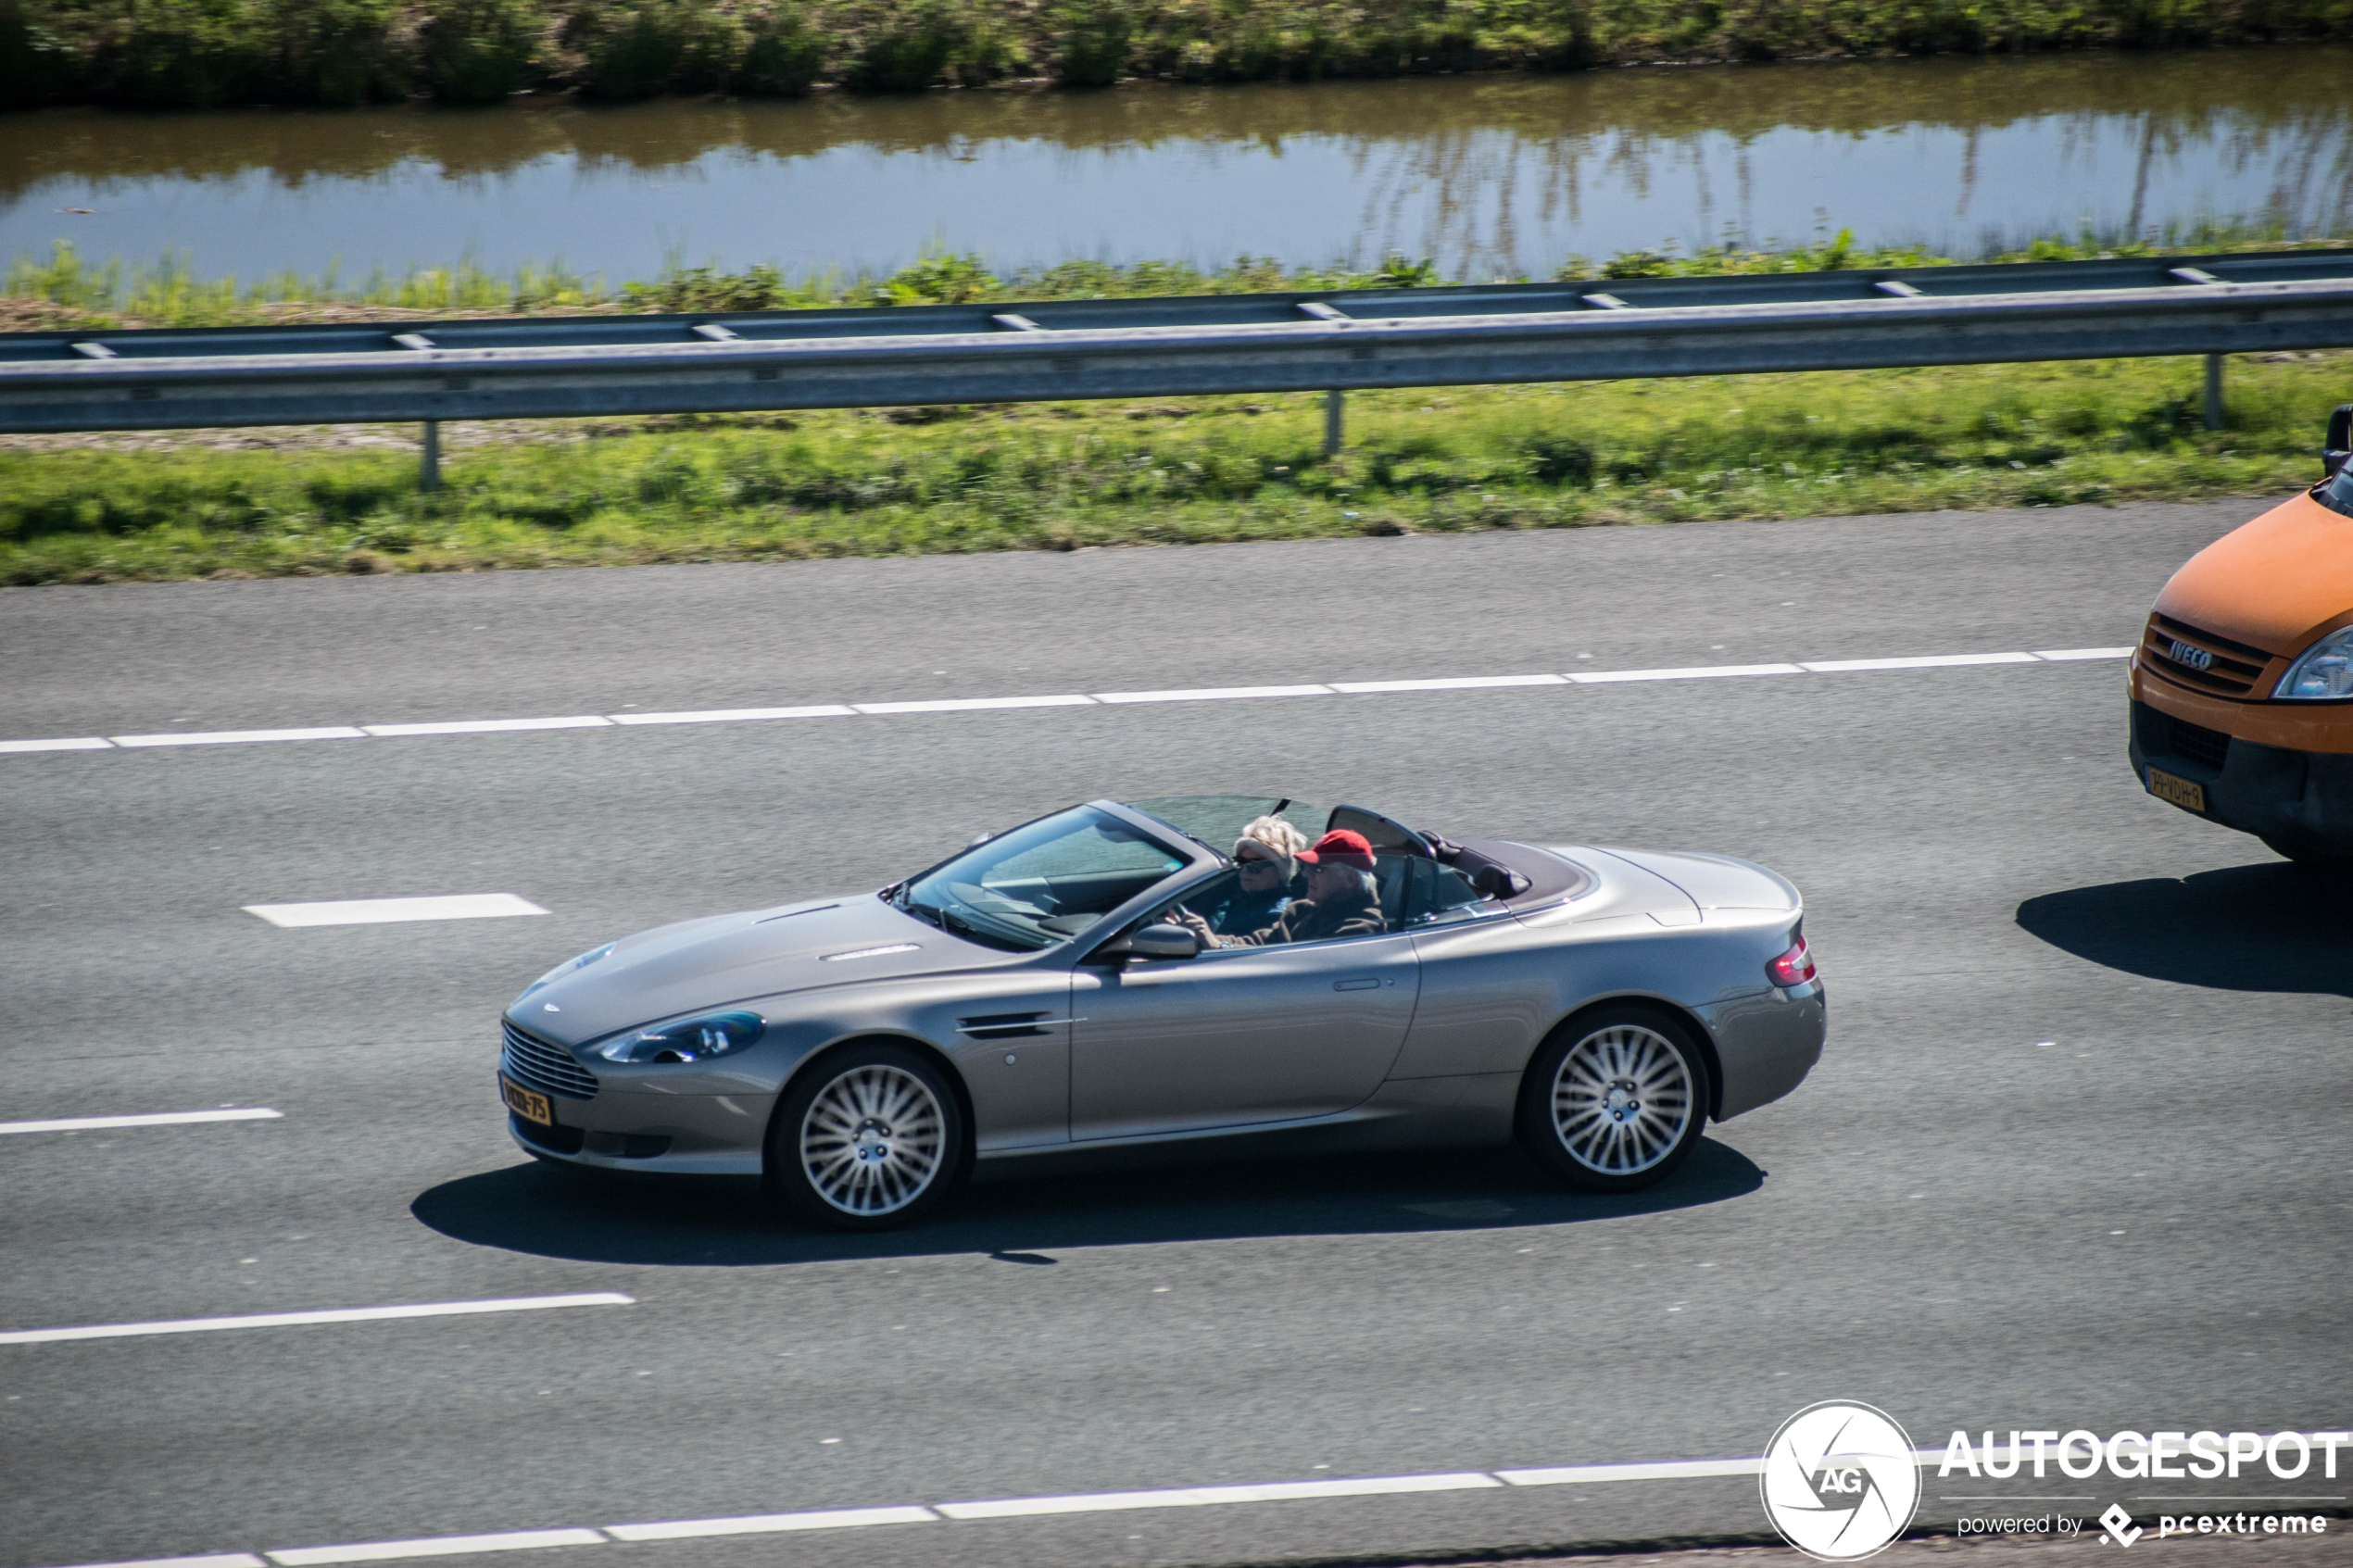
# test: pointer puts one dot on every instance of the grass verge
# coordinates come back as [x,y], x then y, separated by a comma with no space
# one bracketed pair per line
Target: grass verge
[903,482]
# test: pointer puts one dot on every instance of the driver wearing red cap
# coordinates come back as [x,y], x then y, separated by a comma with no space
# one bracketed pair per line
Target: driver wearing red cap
[1342,898]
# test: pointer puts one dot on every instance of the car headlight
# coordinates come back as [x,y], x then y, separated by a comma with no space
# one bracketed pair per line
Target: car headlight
[2324,674]
[694,1039]
[583,961]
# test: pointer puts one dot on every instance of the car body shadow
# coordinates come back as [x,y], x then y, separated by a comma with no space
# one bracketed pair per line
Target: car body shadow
[2271,927]
[726,1222]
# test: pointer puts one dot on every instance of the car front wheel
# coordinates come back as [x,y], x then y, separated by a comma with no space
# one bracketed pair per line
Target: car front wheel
[869,1138]
[1615,1100]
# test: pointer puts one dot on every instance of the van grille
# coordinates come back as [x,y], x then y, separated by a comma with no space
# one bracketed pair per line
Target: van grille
[538,1064]
[2200,659]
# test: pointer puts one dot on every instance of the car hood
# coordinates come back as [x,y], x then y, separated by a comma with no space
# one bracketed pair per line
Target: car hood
[2274,584]
[1719,881]
[728,959]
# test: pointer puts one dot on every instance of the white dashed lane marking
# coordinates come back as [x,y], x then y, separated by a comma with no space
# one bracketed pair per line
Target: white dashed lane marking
[297,1319]
[159,1119]
[1065,699]
[1003,1507]
[383,911]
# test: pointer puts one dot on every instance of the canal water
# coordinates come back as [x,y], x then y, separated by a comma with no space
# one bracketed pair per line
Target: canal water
[1488,175]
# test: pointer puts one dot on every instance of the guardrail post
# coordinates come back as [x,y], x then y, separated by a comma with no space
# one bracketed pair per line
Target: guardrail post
[429,470]
[2214,392]
[1334,403]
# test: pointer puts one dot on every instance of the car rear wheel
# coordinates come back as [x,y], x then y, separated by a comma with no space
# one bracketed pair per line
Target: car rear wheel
[1615,1100]
[867,1139]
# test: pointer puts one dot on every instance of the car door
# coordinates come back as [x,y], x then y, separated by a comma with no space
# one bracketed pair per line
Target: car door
[1237,1037]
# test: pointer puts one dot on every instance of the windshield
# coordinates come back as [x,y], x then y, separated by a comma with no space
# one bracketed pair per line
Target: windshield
[1218,820]
[1040,884]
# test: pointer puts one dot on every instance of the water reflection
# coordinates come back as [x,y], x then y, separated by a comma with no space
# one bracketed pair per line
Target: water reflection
[1489,174]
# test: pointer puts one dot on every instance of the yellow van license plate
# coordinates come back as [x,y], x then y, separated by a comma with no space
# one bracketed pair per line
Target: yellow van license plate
[2180,792]
[523,1103]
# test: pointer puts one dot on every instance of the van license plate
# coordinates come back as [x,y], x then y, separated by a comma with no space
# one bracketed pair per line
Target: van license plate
[2186,792]
[523,1103]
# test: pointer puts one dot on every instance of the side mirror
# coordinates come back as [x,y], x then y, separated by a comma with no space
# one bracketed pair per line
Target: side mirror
[1164,942]
[2340,441]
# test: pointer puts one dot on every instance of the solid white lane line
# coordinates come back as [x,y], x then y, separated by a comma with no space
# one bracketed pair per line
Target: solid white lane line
[382,911]
[443,1545]
[243,737]
[1929,661]
[490,726]
[1695,673]
[1667,1470]
[1460,684]
[738,715]
[974,704]
[212,1559]
[347,1314]
[1213,693]
[1205,1497]
[767,1524]
[162,1118]
[960,705]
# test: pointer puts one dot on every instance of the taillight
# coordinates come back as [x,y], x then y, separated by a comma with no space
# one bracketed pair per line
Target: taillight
[1793,967]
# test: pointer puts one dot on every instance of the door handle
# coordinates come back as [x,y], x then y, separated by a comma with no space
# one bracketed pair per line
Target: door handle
[1366,984]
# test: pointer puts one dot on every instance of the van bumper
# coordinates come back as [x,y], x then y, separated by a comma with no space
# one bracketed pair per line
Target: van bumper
[2298,802]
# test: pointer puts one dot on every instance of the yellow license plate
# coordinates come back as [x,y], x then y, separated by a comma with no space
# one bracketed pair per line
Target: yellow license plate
[2180,792]
[523,1103]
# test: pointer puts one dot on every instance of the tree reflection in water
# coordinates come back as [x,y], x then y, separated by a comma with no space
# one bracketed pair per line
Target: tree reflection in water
[1488,174]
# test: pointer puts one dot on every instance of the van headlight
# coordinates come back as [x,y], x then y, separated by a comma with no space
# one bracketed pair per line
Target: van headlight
[2323,673]
[692,1039]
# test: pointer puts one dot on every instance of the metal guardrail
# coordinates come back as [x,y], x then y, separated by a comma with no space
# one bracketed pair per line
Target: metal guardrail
[1633,328]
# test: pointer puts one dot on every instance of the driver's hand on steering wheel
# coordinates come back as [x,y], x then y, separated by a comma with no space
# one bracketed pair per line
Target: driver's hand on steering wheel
[1199,927]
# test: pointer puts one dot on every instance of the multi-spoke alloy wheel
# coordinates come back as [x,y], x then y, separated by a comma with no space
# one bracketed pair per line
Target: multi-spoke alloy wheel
[869,1139]
[1615,1101]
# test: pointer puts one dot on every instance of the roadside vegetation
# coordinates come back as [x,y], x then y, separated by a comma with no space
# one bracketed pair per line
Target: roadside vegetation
[203,53]
[100,508]
[1065,476]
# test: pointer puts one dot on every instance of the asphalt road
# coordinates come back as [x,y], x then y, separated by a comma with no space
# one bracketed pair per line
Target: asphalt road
[2142,1223]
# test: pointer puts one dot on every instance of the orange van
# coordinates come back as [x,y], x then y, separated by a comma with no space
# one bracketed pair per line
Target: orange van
[2243,684]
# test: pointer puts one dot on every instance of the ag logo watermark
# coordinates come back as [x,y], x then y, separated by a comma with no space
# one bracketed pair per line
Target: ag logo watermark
[1840,1481]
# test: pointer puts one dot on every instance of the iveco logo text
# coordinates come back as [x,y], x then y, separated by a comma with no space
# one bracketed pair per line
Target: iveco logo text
[2197,659]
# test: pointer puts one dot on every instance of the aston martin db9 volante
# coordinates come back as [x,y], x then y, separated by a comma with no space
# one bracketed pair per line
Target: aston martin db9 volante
[1190,974]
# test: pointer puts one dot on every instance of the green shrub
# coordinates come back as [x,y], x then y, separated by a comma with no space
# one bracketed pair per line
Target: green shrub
[37,65]
[905,50]
[784,55]
[190,53]
[633,51]
[1092,42]
[337,51]
[479,50]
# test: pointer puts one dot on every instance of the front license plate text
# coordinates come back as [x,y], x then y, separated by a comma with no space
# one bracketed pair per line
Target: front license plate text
[523,1103]
[2186,793]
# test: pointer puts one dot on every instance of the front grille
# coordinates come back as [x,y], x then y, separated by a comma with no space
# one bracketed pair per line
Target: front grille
[2162,736]
[2203,746]
[539,1064]
[2176,648]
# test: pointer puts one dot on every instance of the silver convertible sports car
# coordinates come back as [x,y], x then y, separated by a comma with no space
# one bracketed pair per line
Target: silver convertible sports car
[1194,974]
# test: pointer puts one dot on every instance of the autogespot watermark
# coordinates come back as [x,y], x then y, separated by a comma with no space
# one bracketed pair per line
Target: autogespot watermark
[2153,1457]
[1841,1481]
